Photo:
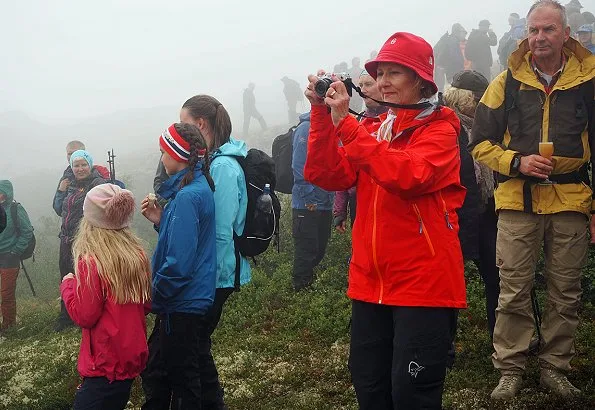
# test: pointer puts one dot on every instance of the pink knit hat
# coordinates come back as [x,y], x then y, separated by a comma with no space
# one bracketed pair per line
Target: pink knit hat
[108,206]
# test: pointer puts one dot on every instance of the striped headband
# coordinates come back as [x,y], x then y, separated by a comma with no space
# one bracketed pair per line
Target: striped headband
[176,146]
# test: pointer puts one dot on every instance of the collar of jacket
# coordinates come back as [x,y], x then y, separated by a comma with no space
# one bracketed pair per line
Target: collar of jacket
[579,68]
[171,186]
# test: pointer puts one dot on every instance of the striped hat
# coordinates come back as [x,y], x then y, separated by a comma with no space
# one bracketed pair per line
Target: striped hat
[176,146]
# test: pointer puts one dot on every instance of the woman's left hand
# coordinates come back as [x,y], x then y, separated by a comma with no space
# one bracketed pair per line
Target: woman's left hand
[337,99]
[69,276]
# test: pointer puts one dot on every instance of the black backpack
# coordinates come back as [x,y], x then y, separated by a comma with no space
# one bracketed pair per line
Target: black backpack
[260,227]
[30,249]
[282,155]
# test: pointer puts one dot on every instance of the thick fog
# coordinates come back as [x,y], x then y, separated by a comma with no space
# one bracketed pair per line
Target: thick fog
[115,73]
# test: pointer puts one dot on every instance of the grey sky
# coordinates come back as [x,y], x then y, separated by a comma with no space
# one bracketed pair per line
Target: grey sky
[71,59]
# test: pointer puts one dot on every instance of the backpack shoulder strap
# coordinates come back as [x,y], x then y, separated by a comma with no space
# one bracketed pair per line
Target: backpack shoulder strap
[15,217]
[587,91]
[236,279]
[511,95]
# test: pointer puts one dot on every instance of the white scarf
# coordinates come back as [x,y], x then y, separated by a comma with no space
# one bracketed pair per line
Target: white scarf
[385,131]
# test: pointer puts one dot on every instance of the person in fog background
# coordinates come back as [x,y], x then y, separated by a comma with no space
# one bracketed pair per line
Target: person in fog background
[71,195]
[68,176]
[356,102]
[585,36]
[510,40]
[478,49]
[477,217]
[250,111]
[449,55]
[589,18]
[405,288]
[345,200]
[108,296]
[184,271]
[311,210]
[14,239]
[342,67]
[552,68]
[293,95]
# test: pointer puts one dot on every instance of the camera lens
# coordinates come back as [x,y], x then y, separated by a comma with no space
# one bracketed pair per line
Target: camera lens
[321,86]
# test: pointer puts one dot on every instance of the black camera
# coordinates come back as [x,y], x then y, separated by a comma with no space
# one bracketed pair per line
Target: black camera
[324,82]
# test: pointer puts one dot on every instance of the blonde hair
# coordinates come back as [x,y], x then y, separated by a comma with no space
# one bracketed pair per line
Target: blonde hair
[460,100]
[121,262]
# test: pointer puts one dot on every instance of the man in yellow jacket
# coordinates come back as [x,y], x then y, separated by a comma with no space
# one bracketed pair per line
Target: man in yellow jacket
[545,98]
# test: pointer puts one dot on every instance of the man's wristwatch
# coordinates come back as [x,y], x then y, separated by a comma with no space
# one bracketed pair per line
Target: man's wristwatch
[515,164]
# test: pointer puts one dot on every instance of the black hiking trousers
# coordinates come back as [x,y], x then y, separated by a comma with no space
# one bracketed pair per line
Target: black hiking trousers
[486,264]
[398,355]
[172,378]
[311,233]
[98,393]
[212,392]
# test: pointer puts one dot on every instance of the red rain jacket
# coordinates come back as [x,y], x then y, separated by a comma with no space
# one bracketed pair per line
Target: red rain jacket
[114,339]
[406,249]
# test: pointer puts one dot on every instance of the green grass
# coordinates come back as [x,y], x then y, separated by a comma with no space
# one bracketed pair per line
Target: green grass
[275,349]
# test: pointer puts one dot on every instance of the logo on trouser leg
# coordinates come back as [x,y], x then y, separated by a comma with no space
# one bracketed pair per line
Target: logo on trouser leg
[414,369]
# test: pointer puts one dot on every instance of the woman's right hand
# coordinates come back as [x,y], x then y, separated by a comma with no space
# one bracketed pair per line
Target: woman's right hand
[151,210]
[64,184]
[310,93]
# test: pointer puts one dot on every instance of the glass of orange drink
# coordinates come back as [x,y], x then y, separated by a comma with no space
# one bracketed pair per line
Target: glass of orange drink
[546,150]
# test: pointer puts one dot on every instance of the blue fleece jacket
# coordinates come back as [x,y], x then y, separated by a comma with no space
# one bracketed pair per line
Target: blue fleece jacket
[185,260]
[304,193]
[231,200]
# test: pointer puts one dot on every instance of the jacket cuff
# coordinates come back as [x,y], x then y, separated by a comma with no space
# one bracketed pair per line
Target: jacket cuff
[347,129]
[505,163]
[65,284]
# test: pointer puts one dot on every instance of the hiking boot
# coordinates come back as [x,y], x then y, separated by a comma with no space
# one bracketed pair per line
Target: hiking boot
[508,387]
[555,381]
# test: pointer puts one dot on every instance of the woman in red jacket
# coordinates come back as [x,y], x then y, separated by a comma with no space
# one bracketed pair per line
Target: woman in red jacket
[108,297]
[406,275]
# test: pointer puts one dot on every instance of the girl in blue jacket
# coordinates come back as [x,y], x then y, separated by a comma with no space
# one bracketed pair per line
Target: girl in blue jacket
[184,271]
[231,200]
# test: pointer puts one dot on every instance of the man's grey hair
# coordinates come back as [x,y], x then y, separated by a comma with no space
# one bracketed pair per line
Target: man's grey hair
[75,144]
[553,4]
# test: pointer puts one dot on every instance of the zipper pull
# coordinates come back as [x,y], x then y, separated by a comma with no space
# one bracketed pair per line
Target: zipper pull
[448,224]
[421,225]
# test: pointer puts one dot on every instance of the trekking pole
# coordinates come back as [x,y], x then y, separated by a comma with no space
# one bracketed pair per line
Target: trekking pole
[28,278]
[112,165]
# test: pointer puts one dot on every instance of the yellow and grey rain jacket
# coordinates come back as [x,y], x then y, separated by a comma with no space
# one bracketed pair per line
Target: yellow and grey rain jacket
[504,129]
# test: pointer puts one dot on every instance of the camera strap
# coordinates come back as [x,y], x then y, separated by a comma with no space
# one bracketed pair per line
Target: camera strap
[419,106]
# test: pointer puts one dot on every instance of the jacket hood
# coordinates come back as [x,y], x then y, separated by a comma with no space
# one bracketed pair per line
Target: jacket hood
[6,189]
[417,118]
[232,148]
[171,186]
[580,65]
[305,116]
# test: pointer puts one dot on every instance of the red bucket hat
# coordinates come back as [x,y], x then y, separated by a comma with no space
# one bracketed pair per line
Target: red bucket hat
[407,50]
